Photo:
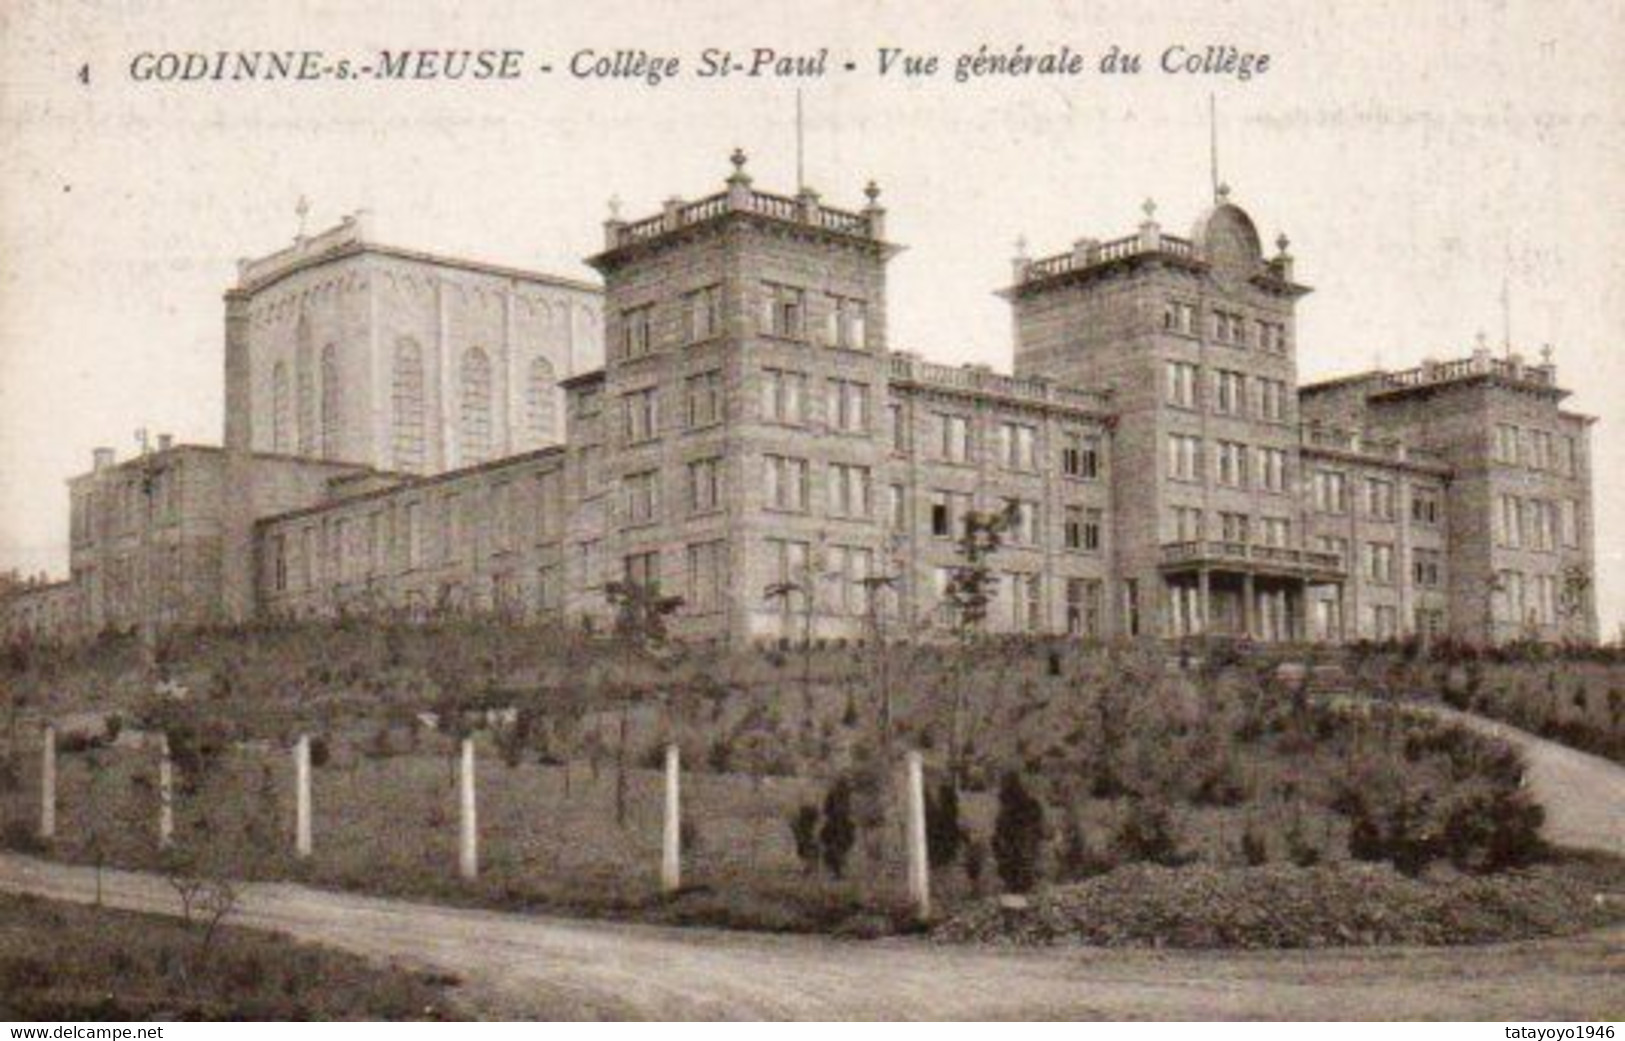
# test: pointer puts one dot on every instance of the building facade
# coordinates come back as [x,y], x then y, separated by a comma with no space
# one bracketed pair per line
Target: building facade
[754,444]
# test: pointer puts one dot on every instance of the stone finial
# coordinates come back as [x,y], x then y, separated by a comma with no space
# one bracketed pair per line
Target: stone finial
[1020,263]
[615,208]
[738,159]
[1481,345]
[301,209]
[1546,354]
[871,191]
[1021,247]
[1222,193]
[1281,243]
[1149,208]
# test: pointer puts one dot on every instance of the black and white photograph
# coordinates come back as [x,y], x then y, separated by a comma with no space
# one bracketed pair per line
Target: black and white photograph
[835,511]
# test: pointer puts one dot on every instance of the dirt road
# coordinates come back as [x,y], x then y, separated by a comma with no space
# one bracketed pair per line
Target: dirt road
[525,966]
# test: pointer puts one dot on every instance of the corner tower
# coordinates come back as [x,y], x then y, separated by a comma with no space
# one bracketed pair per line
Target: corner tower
[745,358]
[1195,339]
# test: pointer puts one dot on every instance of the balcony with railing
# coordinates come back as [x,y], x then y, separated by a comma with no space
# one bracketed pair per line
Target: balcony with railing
[1089,254]
[1513,369]
[805,208]
[908,369]
[1248,556]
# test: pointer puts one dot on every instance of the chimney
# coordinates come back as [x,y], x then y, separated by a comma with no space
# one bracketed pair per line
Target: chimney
[101,459]
[166,442]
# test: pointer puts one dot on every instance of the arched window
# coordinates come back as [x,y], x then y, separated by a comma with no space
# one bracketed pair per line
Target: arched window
[407,397]
[476,408]
[332,387]
[305,376]
[541,393]
[281,409]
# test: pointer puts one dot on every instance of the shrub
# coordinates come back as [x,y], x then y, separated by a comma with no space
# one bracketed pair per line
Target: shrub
[975,858]
[1018,835]
[20,837]
[838,834]
[1148,833]
[1255,850]
[804,829]
[1492,830]
[944,835]
[1299,848]
[320,752]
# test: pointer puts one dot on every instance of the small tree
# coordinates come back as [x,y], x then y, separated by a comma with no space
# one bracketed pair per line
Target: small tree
[971,587]
[838,834]
[1018,835]
[944,835]
[804,829]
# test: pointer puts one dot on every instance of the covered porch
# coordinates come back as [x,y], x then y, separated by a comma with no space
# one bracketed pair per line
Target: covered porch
[1243,591]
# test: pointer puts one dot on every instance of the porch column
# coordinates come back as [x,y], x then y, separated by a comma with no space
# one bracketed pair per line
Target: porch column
[1202,615]
[1247,605]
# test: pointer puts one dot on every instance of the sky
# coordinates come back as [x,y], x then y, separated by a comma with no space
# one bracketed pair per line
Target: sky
[1421,156]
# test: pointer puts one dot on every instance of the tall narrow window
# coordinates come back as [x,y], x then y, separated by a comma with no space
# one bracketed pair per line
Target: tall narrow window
[406,399]
[281,410]
[331,402]
[476,407]
[540,393]
[305,377]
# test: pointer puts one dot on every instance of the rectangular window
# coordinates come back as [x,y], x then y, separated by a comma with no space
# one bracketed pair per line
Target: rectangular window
[642,415]
[1231,464]
[707,575]
[1379,499]
[412,519]
[702,399]
[897,424]
[1187,521]
[1507,438]
[1080,456]
[642,497]
[1277,532]
[1083,597]
[1272,469]
[1026,601]
[1184,457]
[1229,392]
[849,570]
[1570,522]
[847,323]
[849,406]
[787,483]
[784,396]
[1571,456]
[452,532]
[786,311]
[948,510]
[549,505]
[549,590]
[1180,389]
[642,570]
[1272,399]
[702,314]
[1235,527]
[704,485]
[1425,505]
[1384,622]
[848,490]
[502,517]
[1379,562]
[637,331]
[1082,531]
[1426,568]
[1016,443]
[279,563]
[952,437]
[1331,491]
[1023,514]
[1511,521]
[897,508]
[790,572]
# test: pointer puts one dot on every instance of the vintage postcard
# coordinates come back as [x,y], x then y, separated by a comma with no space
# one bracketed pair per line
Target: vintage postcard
[823,511]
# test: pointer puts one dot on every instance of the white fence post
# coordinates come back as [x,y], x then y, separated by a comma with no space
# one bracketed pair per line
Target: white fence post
[166,794]
[671,860]
[301,775]
[468,847]
[919,863]
[47,777]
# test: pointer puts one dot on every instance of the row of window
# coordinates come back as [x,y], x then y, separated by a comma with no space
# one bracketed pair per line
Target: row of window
[1186,524]
[1230,393]
[418,533]
[1537,524]
[1378,561]
[1331,494]
[1526,599]
[842,321]
[1235,464]
[1536,449]
[1226,327]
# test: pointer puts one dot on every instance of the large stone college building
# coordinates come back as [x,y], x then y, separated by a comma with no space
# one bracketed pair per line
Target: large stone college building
[418,434]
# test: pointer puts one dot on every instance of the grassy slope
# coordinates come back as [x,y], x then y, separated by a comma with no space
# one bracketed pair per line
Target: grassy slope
[67,962]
